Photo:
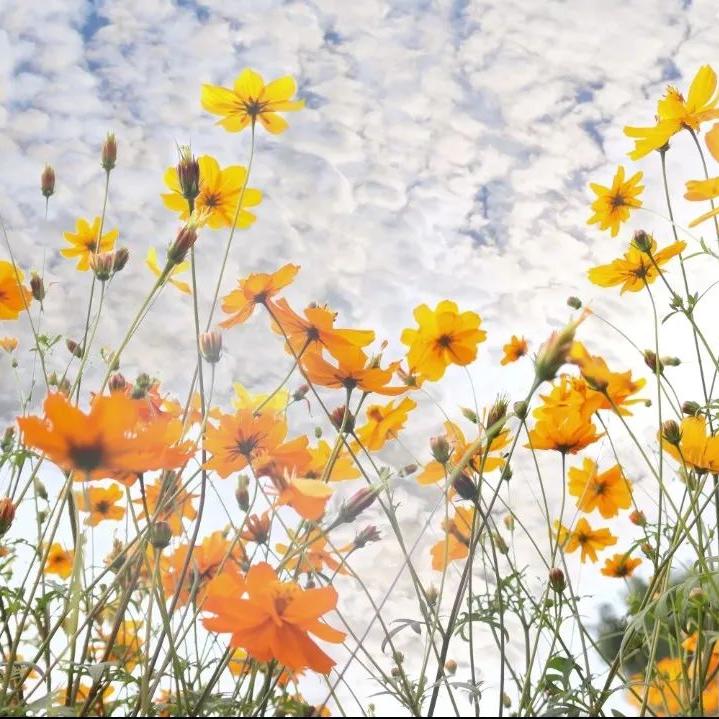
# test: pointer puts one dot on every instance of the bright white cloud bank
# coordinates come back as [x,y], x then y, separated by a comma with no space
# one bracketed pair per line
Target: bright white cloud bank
[445,152]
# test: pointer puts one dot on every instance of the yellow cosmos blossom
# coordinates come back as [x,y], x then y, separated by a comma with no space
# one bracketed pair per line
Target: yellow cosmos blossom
[152,263]
[674,113]
[244,399]
[444,336]
[383,423]
[635,269]
[220,192]
[514,349]
[563,430]
[620,566]
[59,561]
[250,100]
[569,394]
[614,204]
[14,298]
[583,537]
[698,190]
[84,242]
[608,492]
[100,503]
[696,449]
[344,467]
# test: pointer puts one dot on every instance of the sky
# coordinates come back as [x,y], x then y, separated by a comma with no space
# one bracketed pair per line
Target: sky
[444,152]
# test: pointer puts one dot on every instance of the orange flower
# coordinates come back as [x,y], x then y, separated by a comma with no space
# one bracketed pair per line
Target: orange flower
[569,394]
[167,501]
[443,337]
[608,492]
[275,620]
[583,537]
[614,204]
[256,289]
[258,528]
[317,330]
[309,554]
[251,100]
[214,552]
[308,497]
[59,561]
[86,242]
[514,349]
[110,439]
[343,469]
[9,344]
[696,448]
[247,438]
[383,423]
[667,693]
[126,651]
[13,296]
[455,544]
[351,373]
[563,431]
[620,566]
[101,503]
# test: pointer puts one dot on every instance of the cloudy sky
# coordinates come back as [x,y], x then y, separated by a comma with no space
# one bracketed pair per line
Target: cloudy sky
[444,153]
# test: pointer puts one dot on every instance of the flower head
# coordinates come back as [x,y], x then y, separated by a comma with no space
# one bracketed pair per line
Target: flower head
[383,423]
[614,204]
[608,491]
[583,537]
[86,242]
[100,503]
[514,349]
[620,566]
[14,297]
[59,561]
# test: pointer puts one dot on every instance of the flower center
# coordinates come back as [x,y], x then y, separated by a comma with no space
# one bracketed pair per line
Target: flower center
[86,457]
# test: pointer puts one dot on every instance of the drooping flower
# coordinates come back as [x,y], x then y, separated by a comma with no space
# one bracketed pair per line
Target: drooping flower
[674,113]
[250,100]
[444,336]
[383,423]
[256,289]
[608,491]
[86,242]
[59,561]
[14,298]
[350,374]
[614,204]
[308,497]
[275,620]
[620,566]
[514,349]
[178,269]
[696,448]
[583,537]
[112,438]
[635,269]
[455,545]
[100,503]
[220,191]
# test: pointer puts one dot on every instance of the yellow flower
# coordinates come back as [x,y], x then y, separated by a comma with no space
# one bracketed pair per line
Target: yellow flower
[564,431]
[696,448]
[514,349]
[614,204]
[698,190]
[244,399]
[608,492]
[444,336]
[151,262]
[100,503]
[59,561]
[674,113]
[620,566]
[384,421]
[251,100]
[14,298]
[220,192]
[583,537]
[635,268]
[84,242]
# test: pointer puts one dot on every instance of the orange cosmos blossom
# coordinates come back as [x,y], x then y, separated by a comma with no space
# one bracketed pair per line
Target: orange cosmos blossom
[59,561]
[8,344]
[126,650]
[383,423]
[569,394]
[636,268]
[246,438]
[444,336]
[167,501]
[220,191]
[14,298]
[620,566]
[563,431]
[309,554]
[250,100]
[614,204]
[674,113]
[343,469]
[583,537]
[351,373]
[275,619]
[316,330]
[696,449]
[86,242]
[308,497]
[514,349]
[100,503]
[608,492]
[110,440]
[455,544]
[256,289]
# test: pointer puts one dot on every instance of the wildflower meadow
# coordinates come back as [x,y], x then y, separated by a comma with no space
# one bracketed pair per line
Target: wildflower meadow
[237,551]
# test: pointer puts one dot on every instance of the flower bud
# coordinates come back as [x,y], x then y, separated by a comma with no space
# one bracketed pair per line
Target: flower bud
[211,346]
[432,595]
[7,514]
[450,666]
[440,448]
[407,470]
[8,439]
[574,302]
[555,351]
[74,348]
[648,550]
[556,580]
[465,487]
[671,432]
[47,181]
[508,520]
[653,362]
[37,287]
[499,543]
[697,595]
[671,361]
[337,417]
[369,534]
[361,500]
[117,383]
[122,255]
[186,238]
[691,409]
[496,416]
[160,535]
[318,432]
[40,489]
[300,393]
[469,414]
[188,173]
[638,518]
[507,472]
[521,410]
[506,700]
[242,494]
[109,152]
[101,265]
[642,241]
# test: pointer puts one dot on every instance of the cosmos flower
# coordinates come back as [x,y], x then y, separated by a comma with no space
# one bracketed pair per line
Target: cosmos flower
[614,204]
[514,349]
[563,431]
[100,503]
[608,491]
[583,537]
[179,268]
[383,423]
[350,374]
[59,561]
[14,298]
[455,545]
[84,242]
[620,566]
[696,449]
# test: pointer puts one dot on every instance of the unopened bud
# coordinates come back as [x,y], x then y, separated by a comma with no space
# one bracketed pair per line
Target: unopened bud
[407,470]
[242,494]
[365,536]
[574,302]
[671,361]
[74,348]
[440,448]
[496,416]
[361,500]
[697,595]
[692,409]
[648,550]
[501,546]
[186,238]
[555,351]
[211,346]
[109,152]
[506,700]
[654,364]
[450,666]
[117,383]
[432,595]
[507,472]
[339,420]
[521,409]
[642,241]
[188,173]
[301,392]
[465,487]
[638,518]
[40,489]
[7,514]
[37,287]
[8,439]
[47,181]
[508,520]
[671,432]
[160,535]
[318,432]
[101,265]
[122,255]
[470,414]
[556,580]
